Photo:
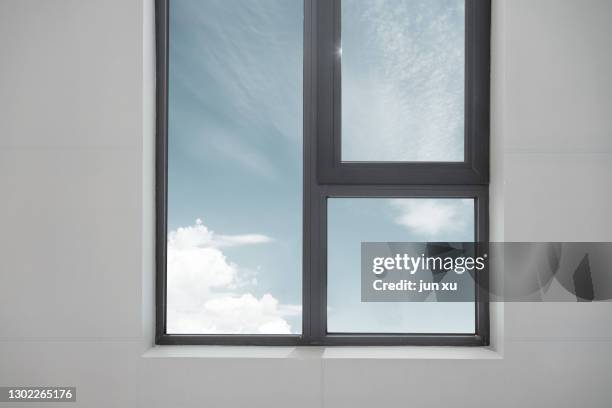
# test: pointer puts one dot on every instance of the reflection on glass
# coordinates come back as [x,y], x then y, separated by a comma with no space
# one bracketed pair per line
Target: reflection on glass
[403,80]
[355,220]
[234,199]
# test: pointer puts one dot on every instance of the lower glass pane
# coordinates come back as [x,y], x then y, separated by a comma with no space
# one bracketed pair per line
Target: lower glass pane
[352,221]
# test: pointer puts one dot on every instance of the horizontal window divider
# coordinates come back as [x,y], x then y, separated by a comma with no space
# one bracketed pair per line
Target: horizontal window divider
[230,339]
[400,173]
[412,191]
[331,339]
[406,339]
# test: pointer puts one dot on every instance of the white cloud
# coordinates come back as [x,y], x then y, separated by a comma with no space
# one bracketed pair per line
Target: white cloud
[246,314]
[202,285]
[233,314]
[435,217]
[200,236]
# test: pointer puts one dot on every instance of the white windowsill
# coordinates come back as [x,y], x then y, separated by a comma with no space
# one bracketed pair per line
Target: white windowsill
[304,353]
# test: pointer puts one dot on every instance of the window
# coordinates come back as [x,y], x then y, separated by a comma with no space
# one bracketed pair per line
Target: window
[289,132]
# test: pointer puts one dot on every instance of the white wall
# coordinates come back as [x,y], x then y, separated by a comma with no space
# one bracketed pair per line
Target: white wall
[76,277]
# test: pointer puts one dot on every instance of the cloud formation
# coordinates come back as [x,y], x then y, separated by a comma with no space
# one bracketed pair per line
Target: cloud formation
[436,217]
[199,235]
[203,287]
[406,59]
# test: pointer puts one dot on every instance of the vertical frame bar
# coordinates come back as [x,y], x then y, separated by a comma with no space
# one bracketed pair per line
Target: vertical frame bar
[477,85]
[309,182]
[482,277]
[161,165]
[314,220]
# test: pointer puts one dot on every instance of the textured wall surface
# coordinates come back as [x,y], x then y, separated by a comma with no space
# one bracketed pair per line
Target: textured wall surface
[76,183]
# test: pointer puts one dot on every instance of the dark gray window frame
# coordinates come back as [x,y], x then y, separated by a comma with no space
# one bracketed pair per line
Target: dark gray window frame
[325,176]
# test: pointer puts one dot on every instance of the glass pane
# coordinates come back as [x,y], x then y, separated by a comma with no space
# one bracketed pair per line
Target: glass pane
[235,167]
[355,220]
[403,80]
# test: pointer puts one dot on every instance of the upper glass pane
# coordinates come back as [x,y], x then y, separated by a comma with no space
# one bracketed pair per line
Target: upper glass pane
[235,167]
[403,80]
[352,221]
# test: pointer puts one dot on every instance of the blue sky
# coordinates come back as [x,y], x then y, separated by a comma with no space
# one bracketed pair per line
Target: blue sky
[355,220]
[235,132]
[235,151]
[406,59]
